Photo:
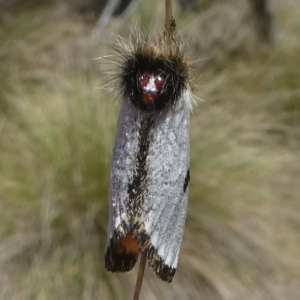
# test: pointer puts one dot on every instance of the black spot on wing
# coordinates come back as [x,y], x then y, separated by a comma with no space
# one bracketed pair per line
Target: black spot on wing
[186,180]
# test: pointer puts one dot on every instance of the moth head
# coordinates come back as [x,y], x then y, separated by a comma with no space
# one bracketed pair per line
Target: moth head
[150,86]
[154,76]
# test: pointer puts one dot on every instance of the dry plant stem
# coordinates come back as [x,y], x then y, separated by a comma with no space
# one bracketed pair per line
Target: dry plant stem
[140,277]
[169,17]
[170,24]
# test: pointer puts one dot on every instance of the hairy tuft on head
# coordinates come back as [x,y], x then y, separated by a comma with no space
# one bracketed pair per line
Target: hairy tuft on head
[165,60]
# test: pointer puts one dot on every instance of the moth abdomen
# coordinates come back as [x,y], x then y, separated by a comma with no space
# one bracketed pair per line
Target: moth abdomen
[122,252]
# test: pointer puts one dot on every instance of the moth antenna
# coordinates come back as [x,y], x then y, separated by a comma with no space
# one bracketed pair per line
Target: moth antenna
[140,277]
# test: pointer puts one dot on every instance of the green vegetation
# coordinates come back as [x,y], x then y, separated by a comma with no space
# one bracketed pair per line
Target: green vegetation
[57,128]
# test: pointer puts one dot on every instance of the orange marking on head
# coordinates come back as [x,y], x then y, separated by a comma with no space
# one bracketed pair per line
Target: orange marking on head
[149,96]
[130,243]
[151,86]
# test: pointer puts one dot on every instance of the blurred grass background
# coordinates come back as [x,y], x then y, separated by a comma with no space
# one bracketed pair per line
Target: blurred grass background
[57,125]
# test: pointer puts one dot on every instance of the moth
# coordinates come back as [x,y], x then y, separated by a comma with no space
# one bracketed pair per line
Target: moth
[149,178]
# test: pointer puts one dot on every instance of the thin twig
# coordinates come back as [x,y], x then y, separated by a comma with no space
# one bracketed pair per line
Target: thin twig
[170,24]
[169,17]
[140,277]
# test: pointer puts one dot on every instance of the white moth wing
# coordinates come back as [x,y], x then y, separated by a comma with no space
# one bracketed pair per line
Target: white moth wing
[123,162]
[122,170]
[166,194]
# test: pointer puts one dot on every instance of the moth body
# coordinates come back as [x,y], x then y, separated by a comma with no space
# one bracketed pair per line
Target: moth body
[150,162]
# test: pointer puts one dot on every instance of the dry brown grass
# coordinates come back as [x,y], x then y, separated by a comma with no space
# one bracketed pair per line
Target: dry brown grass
[242,237]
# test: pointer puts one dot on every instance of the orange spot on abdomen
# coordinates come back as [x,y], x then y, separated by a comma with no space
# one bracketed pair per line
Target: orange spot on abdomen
[130,243]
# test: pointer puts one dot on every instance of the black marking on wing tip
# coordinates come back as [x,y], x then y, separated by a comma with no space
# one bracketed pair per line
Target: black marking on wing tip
[186,180]
[156,262]
[163,271]
[117,258]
